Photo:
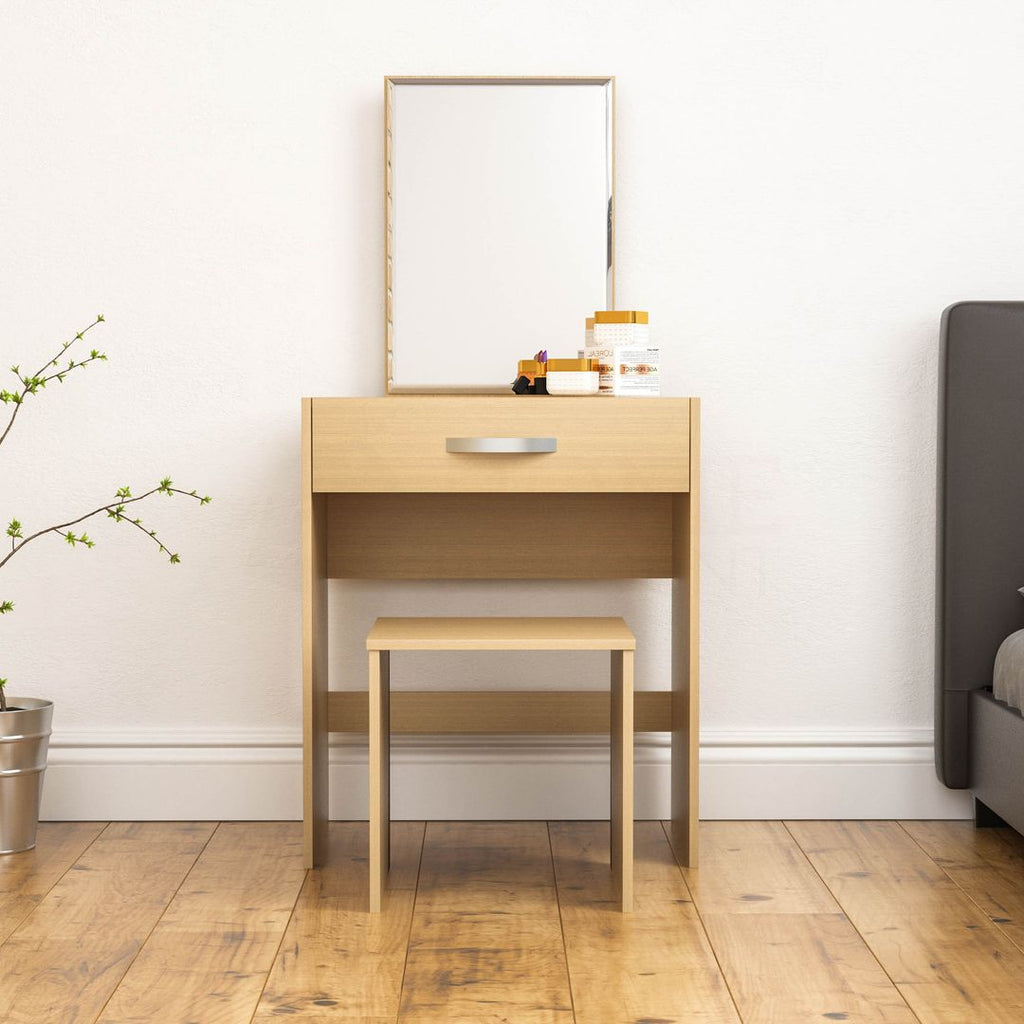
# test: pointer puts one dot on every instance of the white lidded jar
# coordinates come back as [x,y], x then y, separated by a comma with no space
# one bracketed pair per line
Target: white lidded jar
[616,329]
[572,377]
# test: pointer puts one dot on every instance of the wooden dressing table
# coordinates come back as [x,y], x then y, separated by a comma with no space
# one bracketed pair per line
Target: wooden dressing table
[383,498]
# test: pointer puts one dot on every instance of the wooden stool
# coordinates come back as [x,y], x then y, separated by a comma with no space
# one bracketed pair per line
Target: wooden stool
[504,634]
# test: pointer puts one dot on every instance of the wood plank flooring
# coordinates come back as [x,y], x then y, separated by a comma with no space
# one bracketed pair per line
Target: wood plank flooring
[514,923]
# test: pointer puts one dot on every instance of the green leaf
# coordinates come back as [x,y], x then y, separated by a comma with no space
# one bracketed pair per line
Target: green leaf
[6,606]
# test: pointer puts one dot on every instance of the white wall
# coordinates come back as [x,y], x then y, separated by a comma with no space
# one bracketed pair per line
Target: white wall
[802,187]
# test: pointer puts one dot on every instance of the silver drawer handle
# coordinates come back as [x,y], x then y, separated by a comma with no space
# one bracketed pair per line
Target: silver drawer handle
[501,445]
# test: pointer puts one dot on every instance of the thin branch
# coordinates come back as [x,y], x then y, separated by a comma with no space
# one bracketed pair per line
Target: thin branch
[115,510]
[61,374]
[31,384]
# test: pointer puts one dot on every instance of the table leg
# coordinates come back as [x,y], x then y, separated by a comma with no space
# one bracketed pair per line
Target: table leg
[685,769]
[380,772]
[315,804]
[622,776]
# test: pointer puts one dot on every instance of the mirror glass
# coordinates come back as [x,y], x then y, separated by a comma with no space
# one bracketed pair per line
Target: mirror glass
[499,225]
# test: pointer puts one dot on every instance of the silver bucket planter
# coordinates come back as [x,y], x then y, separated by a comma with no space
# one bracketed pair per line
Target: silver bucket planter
[24,739]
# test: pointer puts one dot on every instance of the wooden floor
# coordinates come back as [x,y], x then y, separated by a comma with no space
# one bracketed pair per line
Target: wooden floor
[514,922]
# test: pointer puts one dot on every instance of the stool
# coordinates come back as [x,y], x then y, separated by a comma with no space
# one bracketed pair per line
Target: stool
[504,634]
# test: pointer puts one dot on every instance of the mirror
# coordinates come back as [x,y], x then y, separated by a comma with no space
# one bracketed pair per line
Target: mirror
[498,196]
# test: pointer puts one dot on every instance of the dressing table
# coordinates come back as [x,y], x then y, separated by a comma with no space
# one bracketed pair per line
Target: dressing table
[383,498]
[499,239]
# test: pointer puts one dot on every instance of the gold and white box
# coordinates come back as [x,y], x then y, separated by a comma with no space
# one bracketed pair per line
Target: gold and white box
[622,352]
[637,371]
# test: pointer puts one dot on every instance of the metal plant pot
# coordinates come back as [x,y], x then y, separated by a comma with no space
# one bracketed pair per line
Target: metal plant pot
[24,739]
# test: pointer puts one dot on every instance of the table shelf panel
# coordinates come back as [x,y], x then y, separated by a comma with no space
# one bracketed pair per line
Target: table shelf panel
[498,712]
[499,536]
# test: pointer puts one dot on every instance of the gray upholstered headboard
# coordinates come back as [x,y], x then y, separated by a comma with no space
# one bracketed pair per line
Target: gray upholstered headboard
[980,512]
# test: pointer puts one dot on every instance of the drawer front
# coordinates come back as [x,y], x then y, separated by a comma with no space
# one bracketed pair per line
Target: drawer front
[399,443]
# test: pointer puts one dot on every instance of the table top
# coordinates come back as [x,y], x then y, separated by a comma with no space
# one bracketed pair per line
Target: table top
[501,634]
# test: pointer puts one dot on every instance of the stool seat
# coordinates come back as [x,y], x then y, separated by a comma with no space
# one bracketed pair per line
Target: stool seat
[570,633]
[503,634]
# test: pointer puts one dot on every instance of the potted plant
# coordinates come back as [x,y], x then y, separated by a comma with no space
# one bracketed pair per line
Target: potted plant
[25,721]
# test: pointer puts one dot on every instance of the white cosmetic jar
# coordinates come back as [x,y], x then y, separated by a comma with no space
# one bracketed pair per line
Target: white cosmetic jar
[573,382]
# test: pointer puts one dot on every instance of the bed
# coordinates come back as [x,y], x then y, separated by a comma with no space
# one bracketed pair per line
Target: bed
[979,739]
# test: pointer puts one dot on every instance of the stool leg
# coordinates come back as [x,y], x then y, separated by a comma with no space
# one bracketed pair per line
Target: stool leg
[380,775]
[622,776]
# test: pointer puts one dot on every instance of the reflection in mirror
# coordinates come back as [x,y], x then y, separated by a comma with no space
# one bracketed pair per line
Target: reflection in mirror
[499,225]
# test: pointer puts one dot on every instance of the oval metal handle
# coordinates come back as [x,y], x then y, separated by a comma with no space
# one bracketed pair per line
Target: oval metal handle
[501,445]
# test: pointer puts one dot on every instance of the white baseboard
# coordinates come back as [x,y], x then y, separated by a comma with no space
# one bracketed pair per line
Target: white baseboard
[245,775]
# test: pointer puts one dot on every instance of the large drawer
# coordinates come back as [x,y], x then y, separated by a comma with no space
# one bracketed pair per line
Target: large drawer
[399,444]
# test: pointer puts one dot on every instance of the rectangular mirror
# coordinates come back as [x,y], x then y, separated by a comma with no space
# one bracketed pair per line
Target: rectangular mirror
[499,211]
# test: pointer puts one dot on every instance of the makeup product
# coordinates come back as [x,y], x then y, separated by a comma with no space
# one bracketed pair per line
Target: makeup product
[603,362]
[613,327]
[529,368]
[622,351]
[637,371]
[589,352]
[572,377]
[526,377]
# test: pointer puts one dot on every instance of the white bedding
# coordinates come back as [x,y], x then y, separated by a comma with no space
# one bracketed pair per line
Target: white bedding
[1008,674]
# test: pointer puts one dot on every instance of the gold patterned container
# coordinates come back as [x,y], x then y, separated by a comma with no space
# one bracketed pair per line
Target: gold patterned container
[614,327]
[572,377]
[608,329]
